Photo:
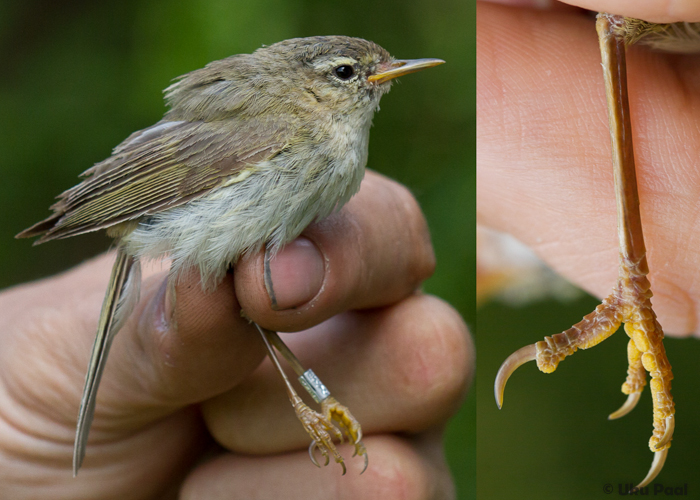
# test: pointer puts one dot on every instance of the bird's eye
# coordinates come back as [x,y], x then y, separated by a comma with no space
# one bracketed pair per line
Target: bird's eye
[344,72]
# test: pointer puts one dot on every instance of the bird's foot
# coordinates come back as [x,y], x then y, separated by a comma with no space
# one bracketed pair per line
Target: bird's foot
[335,412]
[630,304]
[322,432]
[318,425]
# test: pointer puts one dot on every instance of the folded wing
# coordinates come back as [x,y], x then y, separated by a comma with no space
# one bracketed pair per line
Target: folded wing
[157,168]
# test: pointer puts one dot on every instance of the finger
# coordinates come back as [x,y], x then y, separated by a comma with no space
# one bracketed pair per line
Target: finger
[544,162]
[404,368]
[374,252]
[399,470]
[34,466]
[181,350]
[659,11]
[535,4]
[655,11]
[48,329]
[161,360]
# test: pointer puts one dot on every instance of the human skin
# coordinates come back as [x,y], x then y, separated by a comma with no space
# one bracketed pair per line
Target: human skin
[544,165]
[655,11]
[183,370]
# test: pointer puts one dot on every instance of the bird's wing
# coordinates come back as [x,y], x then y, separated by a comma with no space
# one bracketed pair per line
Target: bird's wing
[157,168]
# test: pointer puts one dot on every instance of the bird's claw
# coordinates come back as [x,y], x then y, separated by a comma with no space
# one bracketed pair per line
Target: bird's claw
[340,414]
[512,363]
[324,451]
[322,433]
[629,303]
[656,466]
[670,426]
[628,406]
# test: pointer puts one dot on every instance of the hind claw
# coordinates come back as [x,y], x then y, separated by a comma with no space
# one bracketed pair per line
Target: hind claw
[512,363]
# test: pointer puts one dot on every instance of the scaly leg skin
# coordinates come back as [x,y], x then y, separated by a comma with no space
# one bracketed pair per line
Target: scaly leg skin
[319,426]
[630,301]
[320,429]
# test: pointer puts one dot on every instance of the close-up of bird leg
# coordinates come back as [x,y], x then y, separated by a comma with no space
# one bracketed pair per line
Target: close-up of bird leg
[630,300]
[320,426]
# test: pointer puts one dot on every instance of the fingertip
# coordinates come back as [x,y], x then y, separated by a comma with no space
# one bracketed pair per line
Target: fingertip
[432,353]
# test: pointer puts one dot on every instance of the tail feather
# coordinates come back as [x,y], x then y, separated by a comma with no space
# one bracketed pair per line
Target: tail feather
[120,299]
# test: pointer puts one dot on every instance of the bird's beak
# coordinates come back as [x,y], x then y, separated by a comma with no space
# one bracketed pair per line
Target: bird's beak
[402,67]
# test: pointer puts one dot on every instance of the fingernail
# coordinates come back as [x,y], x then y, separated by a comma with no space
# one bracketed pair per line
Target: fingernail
[295,275]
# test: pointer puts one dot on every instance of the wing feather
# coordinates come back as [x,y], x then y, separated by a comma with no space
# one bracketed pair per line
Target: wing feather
[157,168]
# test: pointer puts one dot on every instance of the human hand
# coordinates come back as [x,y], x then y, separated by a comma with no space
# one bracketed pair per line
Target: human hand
[399,359]
[655,11]
[544,167]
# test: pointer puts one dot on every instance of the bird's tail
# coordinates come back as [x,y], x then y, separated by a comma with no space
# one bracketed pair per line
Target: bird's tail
[120,299]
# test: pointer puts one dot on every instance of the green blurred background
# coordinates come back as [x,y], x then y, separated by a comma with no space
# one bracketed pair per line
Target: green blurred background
[79,76]
[552,439]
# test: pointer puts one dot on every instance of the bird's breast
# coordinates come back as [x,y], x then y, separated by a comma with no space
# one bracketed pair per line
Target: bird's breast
[268,203]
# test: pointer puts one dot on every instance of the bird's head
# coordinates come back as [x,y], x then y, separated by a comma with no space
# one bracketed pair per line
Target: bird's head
[325,74]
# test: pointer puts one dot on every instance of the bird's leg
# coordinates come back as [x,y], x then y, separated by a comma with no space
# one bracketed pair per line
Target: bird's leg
[321,430]
[318,425]
[332,410]
[639,317]
[630,300]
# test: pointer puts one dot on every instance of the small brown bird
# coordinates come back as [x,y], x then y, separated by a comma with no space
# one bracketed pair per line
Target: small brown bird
[254,148]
